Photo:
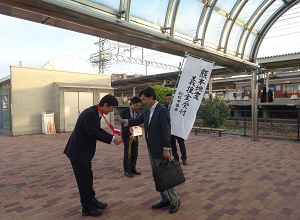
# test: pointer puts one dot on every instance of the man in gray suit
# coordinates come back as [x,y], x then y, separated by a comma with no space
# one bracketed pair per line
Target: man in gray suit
[157,127]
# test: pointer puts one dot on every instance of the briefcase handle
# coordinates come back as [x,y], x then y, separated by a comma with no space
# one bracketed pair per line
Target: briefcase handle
[165,161]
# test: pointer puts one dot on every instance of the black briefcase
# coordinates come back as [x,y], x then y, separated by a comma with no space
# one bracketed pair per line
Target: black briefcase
[168,175]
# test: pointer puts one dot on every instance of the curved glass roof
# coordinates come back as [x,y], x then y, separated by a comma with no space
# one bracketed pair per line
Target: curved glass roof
[228,32]
[230,26]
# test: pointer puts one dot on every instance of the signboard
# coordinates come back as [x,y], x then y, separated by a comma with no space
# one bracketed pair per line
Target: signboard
[48,125]
[5,101]
[189,94]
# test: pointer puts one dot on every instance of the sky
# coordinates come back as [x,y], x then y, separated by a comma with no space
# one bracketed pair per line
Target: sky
[32,45]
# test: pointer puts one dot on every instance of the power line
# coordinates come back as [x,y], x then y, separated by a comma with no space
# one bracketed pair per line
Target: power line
[282,35]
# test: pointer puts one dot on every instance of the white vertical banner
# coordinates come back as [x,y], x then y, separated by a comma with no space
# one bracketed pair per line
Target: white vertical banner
[189,93]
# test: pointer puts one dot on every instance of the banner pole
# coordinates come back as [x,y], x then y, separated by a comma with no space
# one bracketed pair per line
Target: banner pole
[179,73]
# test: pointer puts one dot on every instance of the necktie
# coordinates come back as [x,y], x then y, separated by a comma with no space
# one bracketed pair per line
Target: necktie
[133,114]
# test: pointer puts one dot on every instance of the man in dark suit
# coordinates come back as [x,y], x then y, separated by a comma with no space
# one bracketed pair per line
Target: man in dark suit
[131,142]
[81,148]
[157,127]
[174,138]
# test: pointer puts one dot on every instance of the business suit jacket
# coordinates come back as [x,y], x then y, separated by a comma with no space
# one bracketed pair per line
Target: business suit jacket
[158,132]
[125,129]
[81,146]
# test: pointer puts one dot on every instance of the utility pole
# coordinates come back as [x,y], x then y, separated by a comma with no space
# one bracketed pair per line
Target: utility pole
[102,62]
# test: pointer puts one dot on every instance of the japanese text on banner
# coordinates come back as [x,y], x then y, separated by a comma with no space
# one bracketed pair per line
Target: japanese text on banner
[189,93]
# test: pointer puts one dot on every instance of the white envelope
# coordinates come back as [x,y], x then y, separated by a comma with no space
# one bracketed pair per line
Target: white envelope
[136,130]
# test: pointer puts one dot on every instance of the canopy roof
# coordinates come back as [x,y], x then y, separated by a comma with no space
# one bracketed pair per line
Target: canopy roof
[228,32]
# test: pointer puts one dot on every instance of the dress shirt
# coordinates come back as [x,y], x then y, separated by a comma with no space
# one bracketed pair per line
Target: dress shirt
[132,113]
[151,111]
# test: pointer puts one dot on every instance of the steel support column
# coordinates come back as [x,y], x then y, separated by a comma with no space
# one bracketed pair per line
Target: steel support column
[133,90]
[210,89]
[254,105]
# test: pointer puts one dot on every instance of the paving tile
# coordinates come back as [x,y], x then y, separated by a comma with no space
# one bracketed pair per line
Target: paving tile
[227,178]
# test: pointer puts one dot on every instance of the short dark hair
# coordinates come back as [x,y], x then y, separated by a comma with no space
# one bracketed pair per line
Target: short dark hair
[148,92]
[169,94]
[110,100]
[135,99]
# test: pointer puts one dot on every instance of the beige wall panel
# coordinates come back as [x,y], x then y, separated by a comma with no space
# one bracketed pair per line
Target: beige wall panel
[71,110]
[86,99]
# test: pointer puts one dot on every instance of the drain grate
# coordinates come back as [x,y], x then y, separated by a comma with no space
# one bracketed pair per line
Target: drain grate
[9,189]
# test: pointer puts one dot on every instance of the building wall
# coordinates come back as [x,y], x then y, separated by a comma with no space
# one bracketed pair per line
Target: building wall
[33,91]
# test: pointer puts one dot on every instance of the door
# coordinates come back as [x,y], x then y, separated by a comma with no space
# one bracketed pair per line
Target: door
[86,99]
[71,110]
[75,103]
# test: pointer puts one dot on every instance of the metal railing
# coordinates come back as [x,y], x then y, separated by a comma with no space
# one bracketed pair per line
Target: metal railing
[274,124]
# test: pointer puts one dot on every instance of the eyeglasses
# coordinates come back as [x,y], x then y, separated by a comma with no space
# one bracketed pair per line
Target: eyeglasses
[144,99]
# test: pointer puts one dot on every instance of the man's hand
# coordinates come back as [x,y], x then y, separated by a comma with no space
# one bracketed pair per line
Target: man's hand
[166,154]
[119,119]
[117,140]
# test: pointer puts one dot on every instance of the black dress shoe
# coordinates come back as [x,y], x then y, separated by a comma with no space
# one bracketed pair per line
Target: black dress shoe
[184,162]
[100,205]
[160,205]
[129,174]
[174,208]
[136,172]
[94,212]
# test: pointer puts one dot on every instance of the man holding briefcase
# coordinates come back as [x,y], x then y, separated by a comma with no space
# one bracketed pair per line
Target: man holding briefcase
[157,127]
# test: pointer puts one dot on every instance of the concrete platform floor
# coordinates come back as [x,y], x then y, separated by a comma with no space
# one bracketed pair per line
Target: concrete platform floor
[227,178]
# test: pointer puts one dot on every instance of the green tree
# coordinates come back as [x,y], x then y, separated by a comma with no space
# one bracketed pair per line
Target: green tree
[161,93]
[214,112]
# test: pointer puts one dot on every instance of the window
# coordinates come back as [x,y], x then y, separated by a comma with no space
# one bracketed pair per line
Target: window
[297,88]
[288,88]
[247,91]
[278,87]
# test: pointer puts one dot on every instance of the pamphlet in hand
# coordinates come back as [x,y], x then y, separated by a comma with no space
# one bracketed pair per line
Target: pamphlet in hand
[136,130]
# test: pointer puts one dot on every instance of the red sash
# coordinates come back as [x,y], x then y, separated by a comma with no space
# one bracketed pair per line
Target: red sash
[114,130]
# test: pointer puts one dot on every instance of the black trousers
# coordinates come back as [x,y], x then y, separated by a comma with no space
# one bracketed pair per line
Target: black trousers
[181,146]
[84,177]
[130,154]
